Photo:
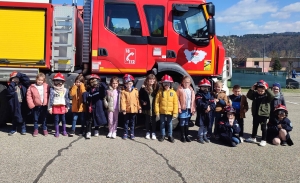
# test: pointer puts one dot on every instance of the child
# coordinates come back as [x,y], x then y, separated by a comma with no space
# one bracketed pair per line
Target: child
[112,104]
[278,99]
[229,127]
[16,94]
[130,105]
[240,104]
[94,96]
[186,106]
[59,103]
[279,127]
[37,99]
[147,96]
[221,101]
[78,108]
[261,97]
[166,107]
[205,105]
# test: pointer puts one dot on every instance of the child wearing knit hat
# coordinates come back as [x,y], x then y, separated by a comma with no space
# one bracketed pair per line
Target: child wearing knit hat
[278,99]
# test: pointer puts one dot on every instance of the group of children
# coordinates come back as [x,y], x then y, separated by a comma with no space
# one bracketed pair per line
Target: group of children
[94,103]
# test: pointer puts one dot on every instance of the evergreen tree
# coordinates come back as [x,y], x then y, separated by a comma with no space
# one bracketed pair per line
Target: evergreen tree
[276,65]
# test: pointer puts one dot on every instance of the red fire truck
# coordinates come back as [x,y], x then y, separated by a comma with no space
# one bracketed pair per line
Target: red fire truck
[112,38]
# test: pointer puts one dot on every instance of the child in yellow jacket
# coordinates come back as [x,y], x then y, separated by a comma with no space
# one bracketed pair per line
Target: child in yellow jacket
[78,107]
[166,106]
[130,105]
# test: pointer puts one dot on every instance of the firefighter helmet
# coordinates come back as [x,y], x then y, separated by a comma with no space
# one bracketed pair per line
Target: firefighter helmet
[229,109]
[128,78]
[94,76]
[167,79]
[13,74]
[59,76]
[204,82]
[262,83]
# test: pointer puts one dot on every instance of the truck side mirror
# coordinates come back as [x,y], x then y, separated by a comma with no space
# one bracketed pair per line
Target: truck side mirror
[210,9]
[180,7]
[211,26]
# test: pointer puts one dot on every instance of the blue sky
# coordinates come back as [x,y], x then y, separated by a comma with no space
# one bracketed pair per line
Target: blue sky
[239,17]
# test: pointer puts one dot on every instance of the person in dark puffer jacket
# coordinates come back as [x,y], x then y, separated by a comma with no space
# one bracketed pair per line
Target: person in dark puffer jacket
[278,99]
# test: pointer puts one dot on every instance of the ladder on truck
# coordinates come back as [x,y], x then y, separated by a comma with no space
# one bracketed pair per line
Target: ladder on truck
[87,17]
[63,38]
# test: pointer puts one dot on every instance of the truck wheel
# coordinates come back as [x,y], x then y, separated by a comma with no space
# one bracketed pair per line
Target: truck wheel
[3,105]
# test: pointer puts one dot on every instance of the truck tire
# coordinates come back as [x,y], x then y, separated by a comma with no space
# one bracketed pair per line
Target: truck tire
[3,106]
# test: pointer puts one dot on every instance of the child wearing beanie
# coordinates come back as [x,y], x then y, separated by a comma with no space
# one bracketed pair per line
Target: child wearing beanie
[278,99]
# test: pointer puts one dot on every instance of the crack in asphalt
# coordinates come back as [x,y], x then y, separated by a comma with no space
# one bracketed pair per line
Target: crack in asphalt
[167,161]
[53,159]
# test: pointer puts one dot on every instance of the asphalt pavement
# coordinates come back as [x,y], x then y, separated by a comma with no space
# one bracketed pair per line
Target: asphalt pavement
[75,159]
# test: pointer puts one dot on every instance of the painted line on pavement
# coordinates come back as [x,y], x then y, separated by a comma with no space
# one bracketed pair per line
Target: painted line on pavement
[293,103]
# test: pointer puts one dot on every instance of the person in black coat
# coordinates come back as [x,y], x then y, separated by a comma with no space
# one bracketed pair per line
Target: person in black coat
[93,98]
[229,128]
[205,106]
[278,99]
[18,107]
[279,128]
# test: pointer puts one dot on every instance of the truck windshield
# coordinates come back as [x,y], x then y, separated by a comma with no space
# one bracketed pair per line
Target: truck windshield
[190,24]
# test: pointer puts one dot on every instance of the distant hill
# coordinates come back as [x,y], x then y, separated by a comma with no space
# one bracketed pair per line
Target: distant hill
[252,45]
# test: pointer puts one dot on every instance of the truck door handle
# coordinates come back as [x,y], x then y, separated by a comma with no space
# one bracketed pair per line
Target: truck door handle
[171,54]
[102,52]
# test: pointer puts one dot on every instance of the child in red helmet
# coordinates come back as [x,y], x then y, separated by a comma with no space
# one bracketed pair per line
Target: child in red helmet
[205,105]
[37,99]
[166,107]
[94,99]
[59,103]
[279,127]
[16,94]
[130,105]
[261,97]
[229,127]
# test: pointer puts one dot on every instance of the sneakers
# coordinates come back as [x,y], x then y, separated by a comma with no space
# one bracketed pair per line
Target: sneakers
[64,133]
[171,139]
[114,135]
[263,143]
[72,133]
[109,135]
[251,140]
[23,132]
[147,135]
[205,139]
[132,137]
[35,133]
[11,133]
[153,136]
[45,132]
[96,133]
[200,140]
[283,143]
[88,135]
[242,139]
[233,144]
[161,138]
[124,137]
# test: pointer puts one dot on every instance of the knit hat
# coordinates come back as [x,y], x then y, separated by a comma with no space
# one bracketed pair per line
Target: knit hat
[277,85]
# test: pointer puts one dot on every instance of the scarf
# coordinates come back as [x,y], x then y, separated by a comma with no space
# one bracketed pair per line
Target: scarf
[18,91]
[59,88]
[277,96]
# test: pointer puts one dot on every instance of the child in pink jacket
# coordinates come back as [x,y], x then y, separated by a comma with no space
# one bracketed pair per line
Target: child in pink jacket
[37,99]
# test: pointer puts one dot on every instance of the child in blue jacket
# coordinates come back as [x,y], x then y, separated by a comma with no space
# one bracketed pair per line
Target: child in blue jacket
[16,94]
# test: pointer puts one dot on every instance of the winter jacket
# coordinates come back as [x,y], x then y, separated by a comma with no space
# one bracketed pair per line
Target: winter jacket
[109,100]
[223,100]
[130,101]
[275,102]
[77,100]
[19,110]
[33,96]
[203,100]
[144,97]
[182,98]
[93,99]
[55,100]
[242,103]
[264,106]
[273,130]
[166,102]
[226,131]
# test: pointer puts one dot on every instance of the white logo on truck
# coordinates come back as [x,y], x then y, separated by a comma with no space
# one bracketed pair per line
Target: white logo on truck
[194,56]
[130,56]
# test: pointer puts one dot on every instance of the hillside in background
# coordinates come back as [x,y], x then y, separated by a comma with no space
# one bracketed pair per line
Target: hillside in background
[253,45]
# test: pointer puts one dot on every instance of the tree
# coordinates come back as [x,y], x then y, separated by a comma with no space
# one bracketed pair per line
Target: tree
[276,66]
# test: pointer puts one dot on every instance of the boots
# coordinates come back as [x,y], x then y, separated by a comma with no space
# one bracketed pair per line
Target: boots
[182,129]
[200,140]
[64,130]
[205,138]
[186,132]
[56,131]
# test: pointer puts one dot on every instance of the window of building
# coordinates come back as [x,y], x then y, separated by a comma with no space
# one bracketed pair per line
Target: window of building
[155,19]
[256,63]
[122,19]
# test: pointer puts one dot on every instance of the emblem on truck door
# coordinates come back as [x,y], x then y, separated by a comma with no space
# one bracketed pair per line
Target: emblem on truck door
[194,56]
[130,56]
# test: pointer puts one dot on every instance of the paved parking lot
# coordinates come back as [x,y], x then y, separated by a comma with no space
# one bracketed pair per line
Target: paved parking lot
[74,159]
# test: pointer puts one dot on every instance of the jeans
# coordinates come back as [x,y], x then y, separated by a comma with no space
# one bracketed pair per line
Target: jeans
[58,118]
[202,129]
[129,118]
[236,140]
[263,124]
[39,115]
[169,123]
[150,121]
[77,115]
[241,124]
[184,121]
